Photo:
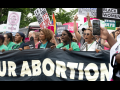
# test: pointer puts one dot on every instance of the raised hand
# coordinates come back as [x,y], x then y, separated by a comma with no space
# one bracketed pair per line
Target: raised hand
[75,17]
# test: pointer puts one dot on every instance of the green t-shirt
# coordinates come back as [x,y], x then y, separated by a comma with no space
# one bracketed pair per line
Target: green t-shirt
[3,47]
[10,45]
[74,46]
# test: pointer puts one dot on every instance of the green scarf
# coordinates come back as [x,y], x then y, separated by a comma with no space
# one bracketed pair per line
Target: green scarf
[17,45]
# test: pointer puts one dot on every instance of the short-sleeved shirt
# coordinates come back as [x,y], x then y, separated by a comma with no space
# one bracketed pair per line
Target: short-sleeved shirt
[3,47]
[74,46]
[10,45]
[91,47]
[22,45]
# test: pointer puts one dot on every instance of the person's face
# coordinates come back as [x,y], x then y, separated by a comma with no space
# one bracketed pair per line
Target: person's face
[35,38]
[87,35]
[18,38]
[64,36]
[42,36]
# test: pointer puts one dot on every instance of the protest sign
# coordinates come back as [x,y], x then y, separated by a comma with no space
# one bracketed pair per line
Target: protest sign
[42,17]
[71,26]
[13,21]
[84,11]
[51,27]
[54,65]
[110,24]
[85,19]
[61,28]
[108,13]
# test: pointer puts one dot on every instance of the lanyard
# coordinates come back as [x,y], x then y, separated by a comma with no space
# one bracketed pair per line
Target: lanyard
[90,45]
[17,45]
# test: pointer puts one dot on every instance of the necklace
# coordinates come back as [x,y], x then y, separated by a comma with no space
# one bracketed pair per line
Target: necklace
[90,45]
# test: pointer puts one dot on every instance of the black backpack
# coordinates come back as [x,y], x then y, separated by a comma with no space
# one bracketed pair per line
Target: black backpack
[116,68]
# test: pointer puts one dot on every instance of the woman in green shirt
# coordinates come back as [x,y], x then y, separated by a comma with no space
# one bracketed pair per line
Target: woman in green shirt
[67,43]
[9,40]
[2,46]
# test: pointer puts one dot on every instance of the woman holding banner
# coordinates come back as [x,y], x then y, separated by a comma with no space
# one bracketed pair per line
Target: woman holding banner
[2,46]
[45,36]
[9,40]
[20,44]
[68,42]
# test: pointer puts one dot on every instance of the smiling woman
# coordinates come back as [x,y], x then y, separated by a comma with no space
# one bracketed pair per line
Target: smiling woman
[45,36]
[68,43]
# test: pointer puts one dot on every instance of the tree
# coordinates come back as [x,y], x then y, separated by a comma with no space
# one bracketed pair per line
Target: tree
[64,17]
[25,21]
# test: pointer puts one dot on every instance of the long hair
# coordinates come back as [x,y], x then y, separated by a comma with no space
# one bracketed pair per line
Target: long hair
[2,37]
[9,35]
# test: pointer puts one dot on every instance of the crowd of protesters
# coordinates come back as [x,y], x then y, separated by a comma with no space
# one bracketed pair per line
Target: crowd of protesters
[68,41]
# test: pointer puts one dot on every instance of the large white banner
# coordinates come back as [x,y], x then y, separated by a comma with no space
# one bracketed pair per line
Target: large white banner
[84,11]
[13,21]
[42,17]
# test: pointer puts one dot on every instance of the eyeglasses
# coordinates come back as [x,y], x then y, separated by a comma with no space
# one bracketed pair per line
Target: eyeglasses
[63,34]
[86,34]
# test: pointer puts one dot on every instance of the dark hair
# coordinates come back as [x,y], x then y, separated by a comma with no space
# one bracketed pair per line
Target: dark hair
[69,34]
[9,35]
[2,37]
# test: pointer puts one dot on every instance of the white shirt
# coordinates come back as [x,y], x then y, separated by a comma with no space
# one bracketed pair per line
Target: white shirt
[91,47]
[113,50]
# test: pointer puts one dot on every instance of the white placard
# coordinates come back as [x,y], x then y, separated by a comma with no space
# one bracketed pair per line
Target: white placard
[84,11]
[13,21]
[42,17]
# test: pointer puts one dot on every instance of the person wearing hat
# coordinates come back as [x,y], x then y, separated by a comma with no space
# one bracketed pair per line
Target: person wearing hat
[20,44]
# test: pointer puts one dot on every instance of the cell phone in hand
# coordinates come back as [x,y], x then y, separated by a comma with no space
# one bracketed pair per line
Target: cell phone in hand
[96,27]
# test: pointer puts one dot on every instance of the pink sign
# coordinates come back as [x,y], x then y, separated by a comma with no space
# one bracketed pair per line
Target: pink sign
[71,26]
[27,40]
[85,19]
[51,28]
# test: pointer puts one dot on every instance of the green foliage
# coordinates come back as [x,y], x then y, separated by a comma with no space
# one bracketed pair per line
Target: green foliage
[25,21]
[117,23]
[64,16]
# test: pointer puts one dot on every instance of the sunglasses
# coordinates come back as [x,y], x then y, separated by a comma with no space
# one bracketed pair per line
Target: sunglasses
[86,34]
[63,34]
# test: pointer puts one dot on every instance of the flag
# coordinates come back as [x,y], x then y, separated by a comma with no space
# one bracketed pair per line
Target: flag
[54,23]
